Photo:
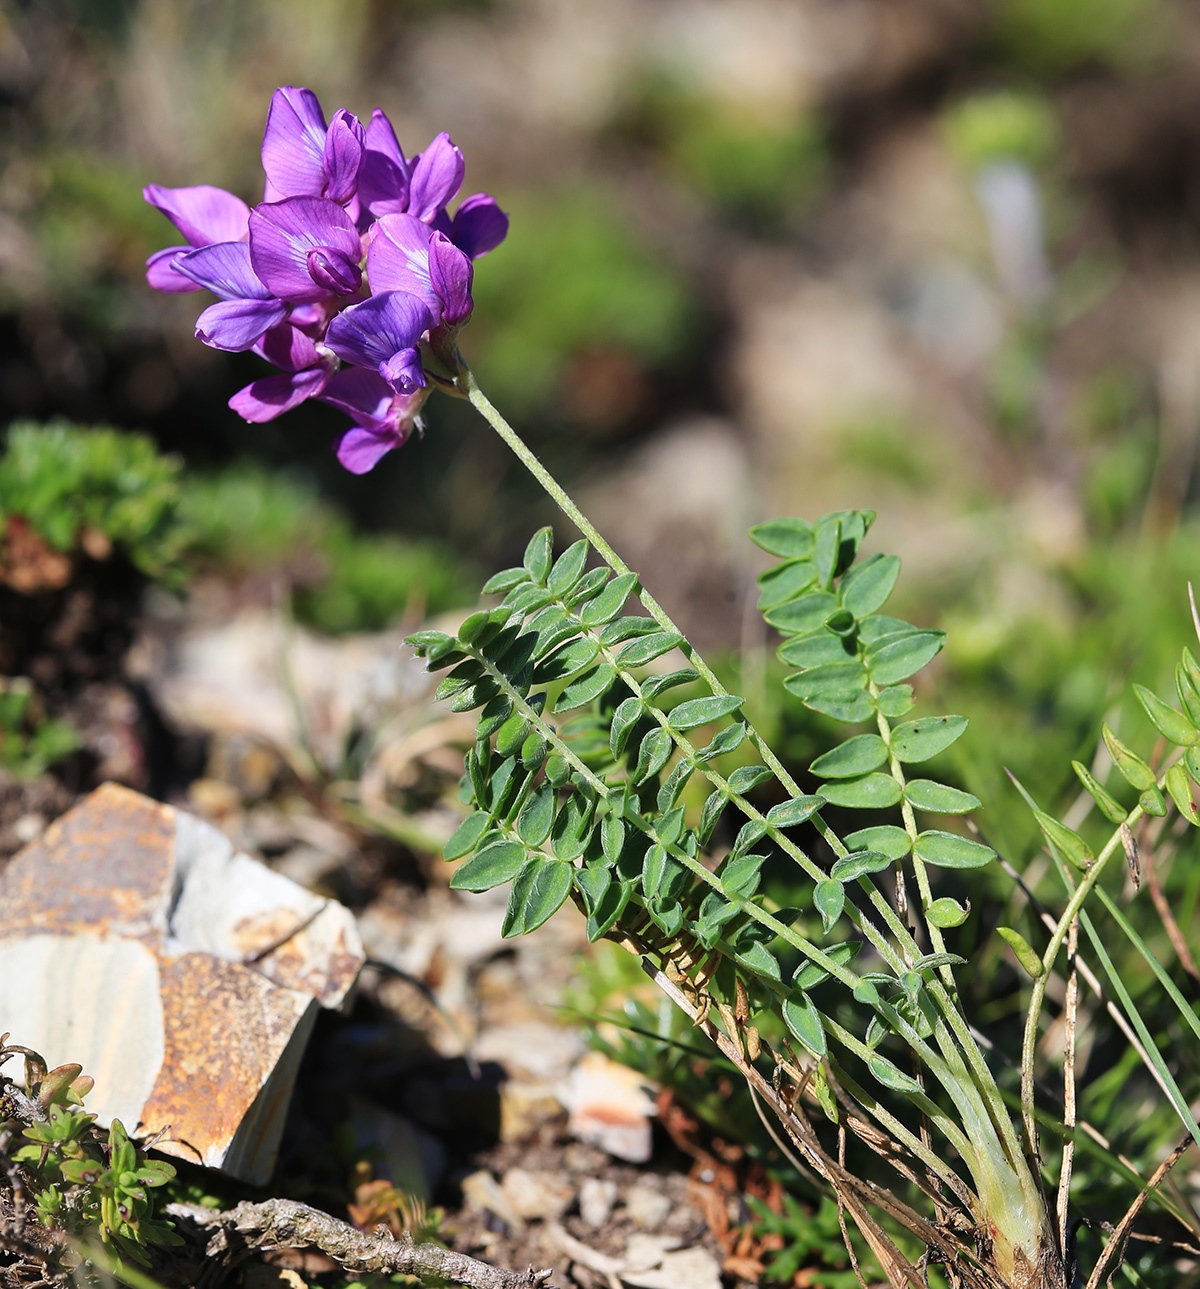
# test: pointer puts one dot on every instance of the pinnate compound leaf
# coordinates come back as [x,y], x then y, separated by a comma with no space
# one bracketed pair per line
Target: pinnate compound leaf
[1069,845]
[1109,806]
[538,893]
[583,689]
[949,850]
[851,867]
[867,586]
[811,972]
[829,899]
[872,792]
[924,738]
[1135,770]
[703,711]
[652,755]
[727,740]
[537,816]
[638,652]
[804,614]
[790,813]
[895,660]
[746,777]
[568,568]
[1023,950]
[892,841]
[946,912]
[609,602]
[858,755]
[779,585]
[927,794]
[463,838]
[802,1018]
[492,866]
[1181,793]
[537,554]
[785,538]
[1170,724]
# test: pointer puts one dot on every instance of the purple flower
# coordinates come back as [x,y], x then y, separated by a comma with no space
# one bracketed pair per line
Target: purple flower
[406,255]
[383,177]
[307,370]
[384,332]
[305,249]
[203,215]
[479,226]
[247,308]
[384,419]
[302,157]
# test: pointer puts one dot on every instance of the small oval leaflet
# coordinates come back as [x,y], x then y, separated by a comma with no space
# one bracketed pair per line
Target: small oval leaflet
[505,580]
[814,649]
[779,585]
[830,679]
[938,798]
[612,837]
[922,739]
[741,876]
[593,882]
[568,568]
[494,865]
[803,1019]
[652,755]
[1069,844]
[829,899]
[538,892]
[897,659]
[1135,770]
[759,959]
[873,792]
[946,912]
[1110,807]
[1023,950]
[583,689]
[702,711]
[572,827]
[610,601]
[1181,793]
[949,850]
[785,538]
[746,777]
[537,554]
[811,973]
[647,648]
[790,813]
[588,586]
[565,662]
[654,865]
[892,841]
[804,614]
[1169,723]
[624,719]
[867,586]
[626,629]
[463,838]
[862,862]
[895,701]
[891,1077]
[726,740]
[537,816]
[858,755]
[511,734]
[652,686]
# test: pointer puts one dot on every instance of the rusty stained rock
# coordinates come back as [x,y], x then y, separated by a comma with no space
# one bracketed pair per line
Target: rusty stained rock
[183,976]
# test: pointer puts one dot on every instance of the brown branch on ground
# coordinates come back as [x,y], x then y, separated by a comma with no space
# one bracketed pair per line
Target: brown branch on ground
[286,1224]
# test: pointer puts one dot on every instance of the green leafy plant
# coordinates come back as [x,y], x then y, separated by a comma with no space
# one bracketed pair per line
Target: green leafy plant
[29,742]
[83,1182]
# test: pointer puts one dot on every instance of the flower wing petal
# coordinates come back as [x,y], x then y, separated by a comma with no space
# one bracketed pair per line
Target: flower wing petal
[224,268]
[203,214]
[436,177]
[293,146]
[479,225]
[236,324]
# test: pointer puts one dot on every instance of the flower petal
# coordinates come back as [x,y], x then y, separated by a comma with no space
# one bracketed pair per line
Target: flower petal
[436,176]
[479,225]
[398,259]
[203,214]
[265,399]
[162,274]
[287,347]
[403,371]
[452,274]
[342,156]
[224,269]
[281,235]
[383,175]
[293,147]
[236,324]
[362,447]
[361,393]
[370,333]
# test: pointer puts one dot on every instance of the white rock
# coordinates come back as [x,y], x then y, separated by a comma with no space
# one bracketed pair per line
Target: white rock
[597,1196]
[645,1206]
[687,1269]
[537,1194]
[609,1107]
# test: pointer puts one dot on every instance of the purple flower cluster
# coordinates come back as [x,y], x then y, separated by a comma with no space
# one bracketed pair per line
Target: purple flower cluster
[289,275]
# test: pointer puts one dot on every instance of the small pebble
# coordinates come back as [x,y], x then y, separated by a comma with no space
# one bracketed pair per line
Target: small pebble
[596,1200]
[29,827]
[646,1207]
